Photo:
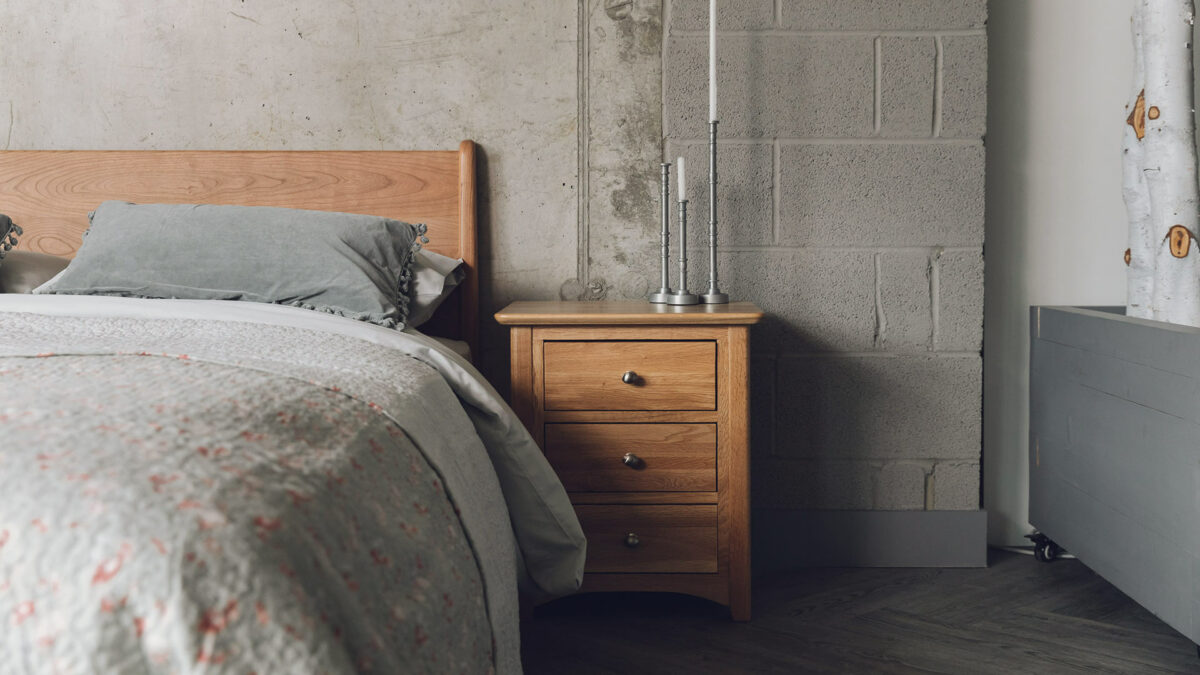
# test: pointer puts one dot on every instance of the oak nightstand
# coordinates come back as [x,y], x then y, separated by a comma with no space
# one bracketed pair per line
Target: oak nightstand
[643,410]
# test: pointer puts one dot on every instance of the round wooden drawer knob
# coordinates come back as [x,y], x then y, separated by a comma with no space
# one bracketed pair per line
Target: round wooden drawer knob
[631,540]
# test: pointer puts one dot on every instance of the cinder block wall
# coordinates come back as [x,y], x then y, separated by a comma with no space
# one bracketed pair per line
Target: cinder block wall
[852,179]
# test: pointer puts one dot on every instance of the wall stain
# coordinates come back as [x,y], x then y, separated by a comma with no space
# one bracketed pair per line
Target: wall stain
[640,39]
[618,10]
[574,289]
[245,18]
[634,202]
[624,129]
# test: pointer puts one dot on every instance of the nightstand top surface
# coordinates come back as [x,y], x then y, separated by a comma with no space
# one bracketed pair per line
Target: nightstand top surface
[624,312]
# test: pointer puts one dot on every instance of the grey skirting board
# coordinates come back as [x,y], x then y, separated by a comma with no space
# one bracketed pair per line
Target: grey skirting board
[786,539]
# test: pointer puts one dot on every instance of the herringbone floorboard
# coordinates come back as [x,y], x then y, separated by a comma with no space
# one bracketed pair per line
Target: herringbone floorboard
[1017,615]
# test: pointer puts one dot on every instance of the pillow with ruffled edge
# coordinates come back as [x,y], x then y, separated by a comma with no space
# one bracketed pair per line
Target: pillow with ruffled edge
[353,265]
[434,278]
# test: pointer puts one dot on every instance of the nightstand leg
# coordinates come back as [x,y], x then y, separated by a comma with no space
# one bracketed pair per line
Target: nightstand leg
[735,425]
[521,368]
[742,614]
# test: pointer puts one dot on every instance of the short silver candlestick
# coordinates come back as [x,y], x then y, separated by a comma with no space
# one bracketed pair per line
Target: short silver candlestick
[683,296]
[713,296]
[663,295]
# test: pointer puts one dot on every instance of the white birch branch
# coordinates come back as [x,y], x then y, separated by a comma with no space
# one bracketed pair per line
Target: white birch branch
[1170,158]
[1140,256]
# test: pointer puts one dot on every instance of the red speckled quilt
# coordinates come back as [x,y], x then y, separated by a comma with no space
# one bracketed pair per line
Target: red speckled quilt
[217,496]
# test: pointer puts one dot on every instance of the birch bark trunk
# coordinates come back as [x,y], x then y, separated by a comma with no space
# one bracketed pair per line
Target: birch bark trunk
[1140,256]
[1169,158]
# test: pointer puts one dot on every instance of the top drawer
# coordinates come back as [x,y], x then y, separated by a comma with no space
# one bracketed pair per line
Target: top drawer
[664,375]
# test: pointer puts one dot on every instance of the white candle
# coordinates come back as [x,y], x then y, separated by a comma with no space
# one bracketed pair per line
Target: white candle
[682,181]
[712,60]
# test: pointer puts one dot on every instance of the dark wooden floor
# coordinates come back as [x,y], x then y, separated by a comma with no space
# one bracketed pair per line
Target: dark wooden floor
[1016,616]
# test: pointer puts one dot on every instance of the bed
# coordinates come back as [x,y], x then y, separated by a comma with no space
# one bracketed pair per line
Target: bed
[212,484]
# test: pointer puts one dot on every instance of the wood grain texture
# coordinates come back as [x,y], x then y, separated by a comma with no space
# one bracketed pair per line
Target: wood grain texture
[734,467]
[521,371]
[537,381]
[643,332]
[671,375]
[673,457]
[1015,616]
[643,498]
[468,246]
[50,192]
[634,416]
[672,538]
[625,312]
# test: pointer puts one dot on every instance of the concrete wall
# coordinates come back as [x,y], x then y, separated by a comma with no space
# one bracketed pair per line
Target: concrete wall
[563,97]
[311,74]
[852,173]
[1060,76]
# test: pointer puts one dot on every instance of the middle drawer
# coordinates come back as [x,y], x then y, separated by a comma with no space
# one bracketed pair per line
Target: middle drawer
[633,457]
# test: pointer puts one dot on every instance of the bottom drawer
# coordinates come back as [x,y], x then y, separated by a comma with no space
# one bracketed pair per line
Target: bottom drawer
[650,538]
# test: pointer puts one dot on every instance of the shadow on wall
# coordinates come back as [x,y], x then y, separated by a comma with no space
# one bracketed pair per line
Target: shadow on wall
[493,361]
[1011,123]
[813,412]
[796,426]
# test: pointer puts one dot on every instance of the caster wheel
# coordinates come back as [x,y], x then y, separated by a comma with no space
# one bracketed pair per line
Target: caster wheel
[1039,552]
[1052,551]
[1044,550]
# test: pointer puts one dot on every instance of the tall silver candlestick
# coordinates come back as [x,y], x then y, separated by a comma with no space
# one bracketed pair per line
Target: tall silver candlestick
[662,296]
[713,296]
[683,296]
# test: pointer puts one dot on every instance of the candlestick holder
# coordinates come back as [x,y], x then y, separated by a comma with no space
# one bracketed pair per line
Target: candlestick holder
[683,296]
[713,296]
[663,295]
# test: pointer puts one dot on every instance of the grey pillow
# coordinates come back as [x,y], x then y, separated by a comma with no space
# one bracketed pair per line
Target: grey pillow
[24,271]
[357,266]
[434,278]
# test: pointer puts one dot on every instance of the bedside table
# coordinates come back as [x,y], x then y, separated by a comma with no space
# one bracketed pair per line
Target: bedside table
[643,411]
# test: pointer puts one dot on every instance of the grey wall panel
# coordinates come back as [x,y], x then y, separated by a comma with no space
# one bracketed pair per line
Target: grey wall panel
[1147,565]
[1164,346]
[1170,392]
[1114,466]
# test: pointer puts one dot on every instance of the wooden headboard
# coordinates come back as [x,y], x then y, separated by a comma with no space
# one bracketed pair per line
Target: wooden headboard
[50,192]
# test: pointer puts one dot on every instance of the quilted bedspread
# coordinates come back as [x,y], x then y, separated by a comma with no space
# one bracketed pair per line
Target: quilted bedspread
[214,496]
